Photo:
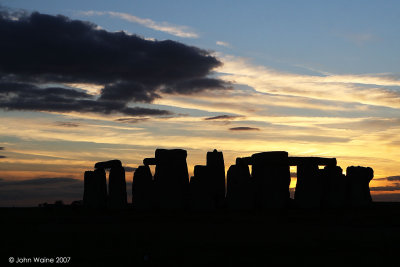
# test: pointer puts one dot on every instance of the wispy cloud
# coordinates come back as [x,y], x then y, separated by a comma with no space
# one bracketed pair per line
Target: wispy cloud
[223,117]
[391,178]
[221,43]
[129,169]
[131,120]
[394,187]
[360,38]
[176,30]
[244,129]
[364,89]
[66,124]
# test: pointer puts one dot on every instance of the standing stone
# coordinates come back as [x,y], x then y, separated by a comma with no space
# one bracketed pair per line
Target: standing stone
[95,189]
[308,192]
[358,179]
[171,179]
[117,188]
[334,189]
[88,189]
[240,193]
[216,166]
[142,189]
[202,194]
[101,187]
[272,173]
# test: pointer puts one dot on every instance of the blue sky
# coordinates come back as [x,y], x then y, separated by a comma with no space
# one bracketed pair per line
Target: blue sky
[314,78]
[299,36]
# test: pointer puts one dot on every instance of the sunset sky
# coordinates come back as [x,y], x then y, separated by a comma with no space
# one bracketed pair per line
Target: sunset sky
[118,79]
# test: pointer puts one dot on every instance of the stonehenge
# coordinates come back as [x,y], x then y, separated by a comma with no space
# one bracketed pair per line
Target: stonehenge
[216,166]
[95,186]
[95,189]
[358,179]
[310,180]
[240,193]
[271,172]
[320,183]
[207,186]
[171,178]
[202,190]
[117,187]
[143,188]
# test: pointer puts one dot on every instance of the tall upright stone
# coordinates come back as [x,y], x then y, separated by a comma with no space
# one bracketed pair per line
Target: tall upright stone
[88,189]
[272,173]
[240,193]
[334,187]
[171,179]
[117,188]
[101,187]
[142,189]
[95,189]
[308,192]
[358,179]
[216,166]
[202,193]
[313,184]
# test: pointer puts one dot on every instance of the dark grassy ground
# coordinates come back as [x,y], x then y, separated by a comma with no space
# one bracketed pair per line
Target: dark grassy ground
[349,237]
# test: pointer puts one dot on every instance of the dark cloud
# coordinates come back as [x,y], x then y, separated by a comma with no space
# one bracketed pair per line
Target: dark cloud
[29,97]
[389,197]
[3,157]
[394,187]
[129,169]
[38,49]
[38,190]
[66,124]
[131,120]
[223,117]
[390,178]
[244,129]
[194,86]
[128,91]
[1,148]
[393,178]
[39,181]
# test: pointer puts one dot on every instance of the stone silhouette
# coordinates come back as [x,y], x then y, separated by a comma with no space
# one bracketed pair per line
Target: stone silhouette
[95,186]
[88,191]
[171,178]
[207,186]
[358,179]
[334,187]
[117,197]
[266,187]
[311,184]
[95,189]
[117,187]
[143,189]
[240,187]
[216,166]
[272,177]
[115,163]
[202,190]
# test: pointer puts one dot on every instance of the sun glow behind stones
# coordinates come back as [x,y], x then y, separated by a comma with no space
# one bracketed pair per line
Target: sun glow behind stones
[353,117]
